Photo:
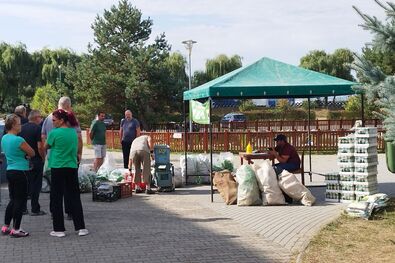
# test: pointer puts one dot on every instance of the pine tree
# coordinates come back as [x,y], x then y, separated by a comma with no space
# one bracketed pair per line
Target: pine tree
[380,87]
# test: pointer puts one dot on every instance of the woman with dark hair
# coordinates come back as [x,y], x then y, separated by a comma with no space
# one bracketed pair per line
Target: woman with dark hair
[16,151]
[62,160]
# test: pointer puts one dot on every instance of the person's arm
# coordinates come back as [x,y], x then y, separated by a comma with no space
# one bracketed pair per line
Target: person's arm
[41,149]
[27,149]
[80,145]
[121,131]
[281,158]
[92,130]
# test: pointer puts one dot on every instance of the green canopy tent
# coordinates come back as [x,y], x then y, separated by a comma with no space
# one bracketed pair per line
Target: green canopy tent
[268,78]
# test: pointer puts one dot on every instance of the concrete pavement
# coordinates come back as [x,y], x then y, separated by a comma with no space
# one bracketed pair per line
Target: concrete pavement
[183,226]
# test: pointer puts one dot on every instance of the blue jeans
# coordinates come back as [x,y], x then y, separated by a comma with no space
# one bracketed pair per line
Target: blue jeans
[279,167]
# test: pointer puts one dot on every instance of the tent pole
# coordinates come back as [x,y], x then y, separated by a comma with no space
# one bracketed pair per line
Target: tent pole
[363,109]
[184,106]
[309,139]
[211,152]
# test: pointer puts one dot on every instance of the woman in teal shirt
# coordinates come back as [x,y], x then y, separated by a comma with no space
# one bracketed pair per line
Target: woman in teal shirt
[62,160]
[16,151]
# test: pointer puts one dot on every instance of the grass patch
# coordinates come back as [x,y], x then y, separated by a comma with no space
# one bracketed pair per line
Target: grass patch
[355,240]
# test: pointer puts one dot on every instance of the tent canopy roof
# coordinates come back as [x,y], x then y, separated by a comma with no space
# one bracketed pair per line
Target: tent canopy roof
[268,78]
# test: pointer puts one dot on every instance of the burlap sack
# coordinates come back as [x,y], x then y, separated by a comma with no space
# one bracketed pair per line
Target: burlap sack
[292,187]
[267,182]
[247,190]
[226,185]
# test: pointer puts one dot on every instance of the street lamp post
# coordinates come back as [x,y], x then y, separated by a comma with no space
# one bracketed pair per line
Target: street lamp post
[188,45]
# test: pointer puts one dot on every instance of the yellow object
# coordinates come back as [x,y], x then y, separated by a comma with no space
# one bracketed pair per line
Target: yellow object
[249,148]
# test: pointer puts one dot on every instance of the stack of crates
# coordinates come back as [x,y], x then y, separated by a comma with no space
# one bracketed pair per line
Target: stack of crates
[365,173]
[357,160]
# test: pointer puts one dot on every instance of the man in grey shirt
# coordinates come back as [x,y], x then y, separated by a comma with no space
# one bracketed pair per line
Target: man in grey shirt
[128,131]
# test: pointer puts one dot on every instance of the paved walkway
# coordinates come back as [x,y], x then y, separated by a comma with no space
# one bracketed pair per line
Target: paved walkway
[183,226]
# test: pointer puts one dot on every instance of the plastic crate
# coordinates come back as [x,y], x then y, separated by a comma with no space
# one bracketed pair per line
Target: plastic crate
[142,186]
[347,140]
[345,151]
[366,187]
[365,165]
[347,186]
[162,154]
[111,192]
[126,189]
[346,167]
[366,141]
[332,177]
[365,170]
[346,177]
[365,178]
[365,150]
[345,159]
[366,159]
[333,196]
[365,132]
[347,196]
[332,186]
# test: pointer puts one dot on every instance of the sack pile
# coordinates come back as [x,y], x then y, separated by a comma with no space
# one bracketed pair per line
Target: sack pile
[368,206]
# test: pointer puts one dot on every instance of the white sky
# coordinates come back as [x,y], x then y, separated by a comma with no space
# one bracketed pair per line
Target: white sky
[284,30]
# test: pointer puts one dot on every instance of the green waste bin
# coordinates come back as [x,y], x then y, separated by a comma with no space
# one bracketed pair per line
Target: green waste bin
[390,155]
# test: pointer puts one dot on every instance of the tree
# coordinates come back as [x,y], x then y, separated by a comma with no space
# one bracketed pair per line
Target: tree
[380,88]
[122,70]
[45,99]
[217,67]
[15,76]
[337,64]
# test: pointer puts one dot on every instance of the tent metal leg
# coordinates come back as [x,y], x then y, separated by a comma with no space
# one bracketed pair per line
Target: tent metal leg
[309,140]
[185,140]
[211,154]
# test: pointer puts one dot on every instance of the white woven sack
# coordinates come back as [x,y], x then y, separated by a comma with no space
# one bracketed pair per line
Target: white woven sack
[268,184]
[247,190]
[292,187]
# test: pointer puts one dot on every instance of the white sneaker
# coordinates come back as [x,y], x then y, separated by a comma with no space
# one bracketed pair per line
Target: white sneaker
[83,232]
[57,234]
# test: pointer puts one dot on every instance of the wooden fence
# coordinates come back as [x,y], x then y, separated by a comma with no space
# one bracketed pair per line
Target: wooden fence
[267,125]
[321,141]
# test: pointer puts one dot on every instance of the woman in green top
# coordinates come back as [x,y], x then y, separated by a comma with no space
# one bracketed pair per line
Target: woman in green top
[62,160]
[16,152]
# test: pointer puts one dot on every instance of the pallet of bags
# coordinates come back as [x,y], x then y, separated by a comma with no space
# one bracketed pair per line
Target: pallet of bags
[247,190]
[226,185]
[297,191]
[268,184]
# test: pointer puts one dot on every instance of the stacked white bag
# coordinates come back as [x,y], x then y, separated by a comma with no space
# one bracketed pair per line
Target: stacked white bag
[297,191]
[247,190]
[268,184]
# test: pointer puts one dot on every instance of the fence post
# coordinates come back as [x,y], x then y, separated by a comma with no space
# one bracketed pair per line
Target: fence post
[112,138]
[88,138]
[226,141]
[329,125]
[256,125]
[318,148]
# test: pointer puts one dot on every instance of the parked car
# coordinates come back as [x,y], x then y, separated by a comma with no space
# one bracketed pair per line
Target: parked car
[108,120]
[233,117]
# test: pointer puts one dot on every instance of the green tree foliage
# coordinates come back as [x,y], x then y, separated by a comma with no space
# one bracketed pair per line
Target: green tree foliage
[247,105]
[380,88]
[353,108]
[337,64]
[216,67]
[123,70]
[45,99]
[15,76]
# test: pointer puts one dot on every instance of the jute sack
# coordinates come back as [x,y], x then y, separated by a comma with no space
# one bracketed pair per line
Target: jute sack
[268,184]
[226,185]
[247,190]
[292,187]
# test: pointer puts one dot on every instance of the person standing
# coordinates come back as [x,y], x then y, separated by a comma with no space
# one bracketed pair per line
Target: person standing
[16,149]
[141,149]
[31,132]
[98,137]
[63,142]
[64,104]
[21,112]
[128,131]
